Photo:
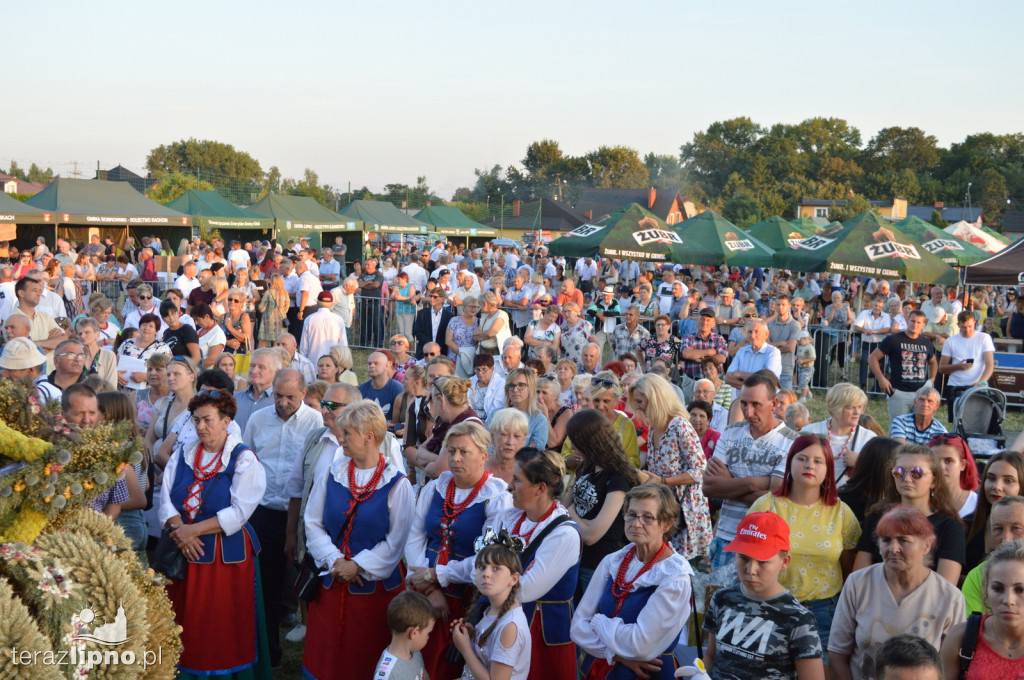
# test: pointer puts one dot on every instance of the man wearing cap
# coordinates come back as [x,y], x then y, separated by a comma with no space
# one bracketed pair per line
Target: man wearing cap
[749,461]
[706,342]
[728,312]
[322,329]
[20,359]
[780,636]
[604,314]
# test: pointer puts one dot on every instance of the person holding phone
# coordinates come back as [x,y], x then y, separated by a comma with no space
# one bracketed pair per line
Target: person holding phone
[967,358]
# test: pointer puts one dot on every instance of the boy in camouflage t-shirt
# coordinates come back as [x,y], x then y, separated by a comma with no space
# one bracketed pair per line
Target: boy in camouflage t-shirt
[758,629]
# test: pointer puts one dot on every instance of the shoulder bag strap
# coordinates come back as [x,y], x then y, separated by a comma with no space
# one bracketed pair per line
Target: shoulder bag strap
[969,642]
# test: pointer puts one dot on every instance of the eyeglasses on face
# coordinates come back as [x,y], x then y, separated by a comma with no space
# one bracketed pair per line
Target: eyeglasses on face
[916,472]
[645,520]
[145,297]
[72,355]
[516,386]
[332,405]
[395,343]
[430,354]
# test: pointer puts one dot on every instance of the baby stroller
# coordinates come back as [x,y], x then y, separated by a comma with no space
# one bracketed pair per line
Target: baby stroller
[978,417]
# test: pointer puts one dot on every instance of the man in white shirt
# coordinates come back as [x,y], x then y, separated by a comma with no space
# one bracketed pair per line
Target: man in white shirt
[237,258]
[968,358]
[417,275]
[7,297]
[322,329]
[188,281]
[308,255]
[298,362]
[308,290]
[511,356]
[276,435]
[587,270]
[873,324]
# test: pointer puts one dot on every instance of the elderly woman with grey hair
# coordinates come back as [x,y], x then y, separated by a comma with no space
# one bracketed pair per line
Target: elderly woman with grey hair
[509,429]
[577,333]
[98,361]
[494,327]
[147,305]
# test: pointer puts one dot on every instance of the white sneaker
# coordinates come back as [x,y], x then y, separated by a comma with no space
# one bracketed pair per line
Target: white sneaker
[296,634]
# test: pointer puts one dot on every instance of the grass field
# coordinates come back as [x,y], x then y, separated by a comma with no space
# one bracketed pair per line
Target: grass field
[292,668]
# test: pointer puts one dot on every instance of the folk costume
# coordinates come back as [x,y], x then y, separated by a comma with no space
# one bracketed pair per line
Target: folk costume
[362,515]
[218,604]
[633,610]
[448,520]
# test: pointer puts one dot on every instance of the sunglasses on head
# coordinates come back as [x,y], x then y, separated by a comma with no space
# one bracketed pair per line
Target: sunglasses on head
[602,381]
[213,394]
[916,472]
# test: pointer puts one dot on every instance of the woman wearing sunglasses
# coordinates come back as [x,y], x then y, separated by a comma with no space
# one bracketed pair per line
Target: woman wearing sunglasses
[918,482]
[661,345]
[236,323]
[144,294]
[24,265]
[899,594]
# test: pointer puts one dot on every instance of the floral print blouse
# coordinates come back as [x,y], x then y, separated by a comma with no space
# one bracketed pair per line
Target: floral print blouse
[575,339]
[652,348]
[676,451]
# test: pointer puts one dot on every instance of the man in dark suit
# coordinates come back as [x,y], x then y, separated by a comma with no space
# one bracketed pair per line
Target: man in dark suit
[431,324]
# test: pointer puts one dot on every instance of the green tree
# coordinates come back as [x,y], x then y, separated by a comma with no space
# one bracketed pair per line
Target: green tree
[724,148]
[617,167]
[895,149]
[310,186]
[992,192]
[16,172]
[38,175]
[490,185]
[937,220]
[174,184]
[234,173]
[906,186]
[271,183]
[665,171]
[855,205]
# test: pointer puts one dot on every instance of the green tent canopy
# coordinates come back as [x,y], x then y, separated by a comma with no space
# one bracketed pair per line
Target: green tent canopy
[777,233]
[13,211]
[722,241]
[629,233]
[448,220]
[94,202]
[211,210]
[865,245]
[950,249]
[996,235]
[383,216]
[300,217]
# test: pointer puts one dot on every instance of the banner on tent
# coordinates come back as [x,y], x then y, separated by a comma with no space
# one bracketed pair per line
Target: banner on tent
[941,244]
[891,249]
[640,255]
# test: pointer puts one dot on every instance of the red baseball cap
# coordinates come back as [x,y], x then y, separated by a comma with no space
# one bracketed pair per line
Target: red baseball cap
[760,535]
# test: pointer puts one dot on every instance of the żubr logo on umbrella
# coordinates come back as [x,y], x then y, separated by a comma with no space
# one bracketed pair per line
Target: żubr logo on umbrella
[733,242]
[650,233]
[885,246]
[941,244]
[585,230]
[811,243]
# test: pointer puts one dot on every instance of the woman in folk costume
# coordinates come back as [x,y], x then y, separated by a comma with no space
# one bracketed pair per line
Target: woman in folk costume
[637,605]
[211,487]
[357,523]
[451,513]
[550,557]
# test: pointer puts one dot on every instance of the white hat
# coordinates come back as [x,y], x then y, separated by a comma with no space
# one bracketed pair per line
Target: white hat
[938,314]
[21,353]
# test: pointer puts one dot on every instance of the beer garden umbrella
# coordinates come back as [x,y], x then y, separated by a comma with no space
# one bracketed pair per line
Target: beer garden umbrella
[865,245]
[807,224]
[629,233]
[777,233]
[950,249]
[722,241]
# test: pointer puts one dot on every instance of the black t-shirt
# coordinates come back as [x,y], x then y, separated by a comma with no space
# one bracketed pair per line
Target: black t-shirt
[179,339]
[908,360]
[950,538]
[589,493]
[371,292]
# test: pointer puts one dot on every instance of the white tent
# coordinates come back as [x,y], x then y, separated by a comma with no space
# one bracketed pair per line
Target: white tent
[975,236]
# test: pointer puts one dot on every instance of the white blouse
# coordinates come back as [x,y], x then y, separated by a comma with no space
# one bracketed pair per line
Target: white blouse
[661,619]
[560,550]
[494,490]
[378,562]
[247,485]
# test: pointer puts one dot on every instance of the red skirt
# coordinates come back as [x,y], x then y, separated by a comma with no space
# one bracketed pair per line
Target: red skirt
[437,666]
[215,605]
[549,662]
[345,632]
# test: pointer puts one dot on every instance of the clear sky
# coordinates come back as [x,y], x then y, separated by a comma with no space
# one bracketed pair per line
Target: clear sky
[379,92]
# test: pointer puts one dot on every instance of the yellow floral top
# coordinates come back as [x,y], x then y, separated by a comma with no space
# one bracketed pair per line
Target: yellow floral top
[818,534]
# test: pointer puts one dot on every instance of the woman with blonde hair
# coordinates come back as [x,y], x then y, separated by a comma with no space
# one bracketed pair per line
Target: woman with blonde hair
[493,329]
[220,295]
[225,361]
[274,308]
[236,323]
[343,356]
[521,393]
[459,337]
[675,458]
[509,428]
[846,404]
[448,405]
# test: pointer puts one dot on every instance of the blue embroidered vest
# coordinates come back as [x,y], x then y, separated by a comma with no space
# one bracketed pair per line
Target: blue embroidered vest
[370,522]
[216,495]
[631,607]
[467,526]
[555,606]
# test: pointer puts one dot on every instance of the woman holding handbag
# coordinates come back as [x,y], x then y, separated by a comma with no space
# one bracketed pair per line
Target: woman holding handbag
[274,307]
[237,325]
[493,329]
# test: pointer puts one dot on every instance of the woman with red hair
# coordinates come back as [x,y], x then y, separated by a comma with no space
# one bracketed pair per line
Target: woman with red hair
[960,471]
[823,530]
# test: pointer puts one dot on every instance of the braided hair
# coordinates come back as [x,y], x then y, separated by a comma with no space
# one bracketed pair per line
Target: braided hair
[499,555]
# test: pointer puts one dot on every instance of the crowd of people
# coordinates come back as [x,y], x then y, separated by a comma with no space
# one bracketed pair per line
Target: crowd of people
[540,459]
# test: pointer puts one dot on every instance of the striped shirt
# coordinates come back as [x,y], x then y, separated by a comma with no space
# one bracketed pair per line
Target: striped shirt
[904,427]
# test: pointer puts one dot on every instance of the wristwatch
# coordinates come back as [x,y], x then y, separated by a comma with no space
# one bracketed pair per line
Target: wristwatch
[428,575]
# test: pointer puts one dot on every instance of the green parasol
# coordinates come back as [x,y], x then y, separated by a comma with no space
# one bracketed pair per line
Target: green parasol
[950,249]
[630,233]
[723,241]
[866,245]
[807,224]
[777,233]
